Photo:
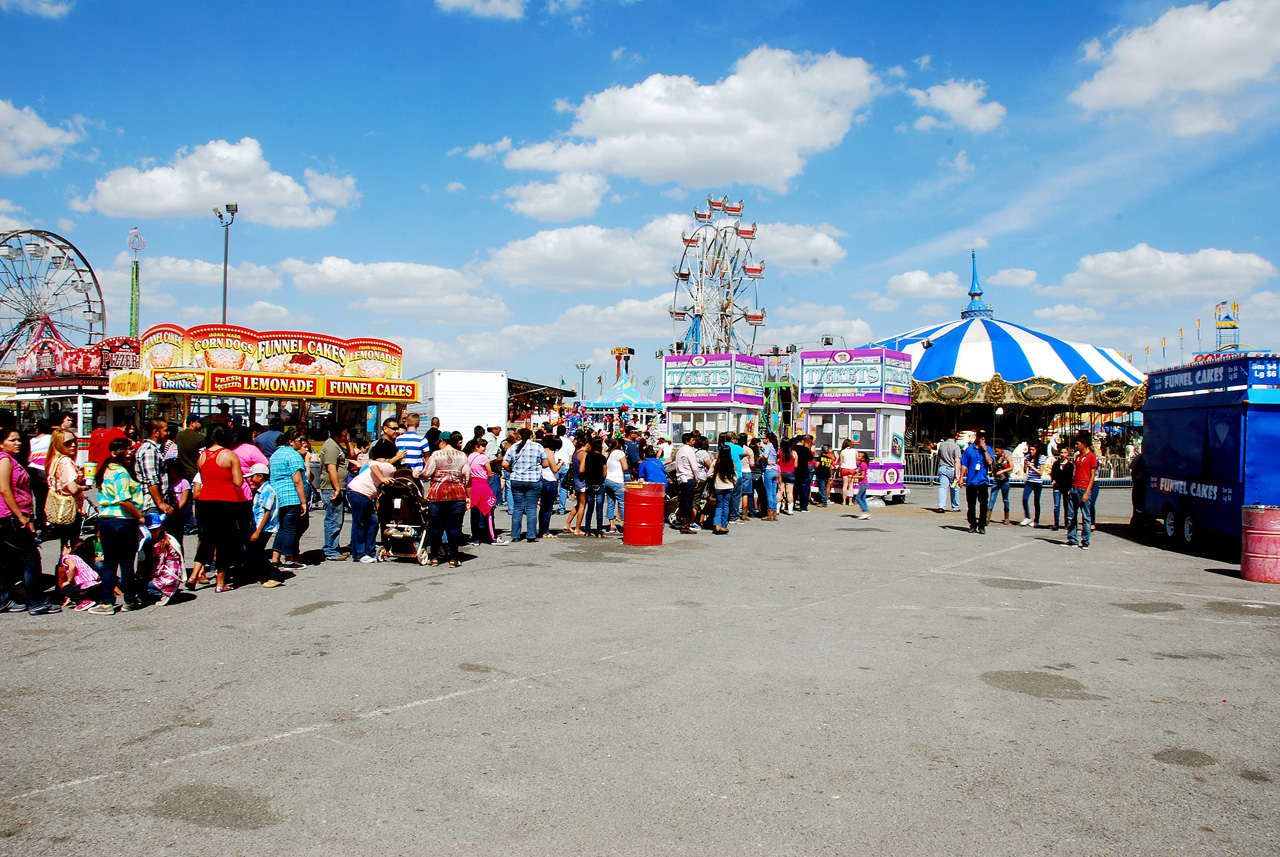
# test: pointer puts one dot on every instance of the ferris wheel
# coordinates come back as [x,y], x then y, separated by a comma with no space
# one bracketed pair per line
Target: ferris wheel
[717,292]
[47,287]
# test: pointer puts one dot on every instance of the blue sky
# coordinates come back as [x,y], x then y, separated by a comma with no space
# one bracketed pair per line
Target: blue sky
[503,183]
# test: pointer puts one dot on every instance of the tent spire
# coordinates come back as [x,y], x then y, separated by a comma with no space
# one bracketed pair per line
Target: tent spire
[977,308]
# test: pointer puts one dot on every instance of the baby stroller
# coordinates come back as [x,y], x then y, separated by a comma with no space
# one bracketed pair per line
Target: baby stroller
[402,520]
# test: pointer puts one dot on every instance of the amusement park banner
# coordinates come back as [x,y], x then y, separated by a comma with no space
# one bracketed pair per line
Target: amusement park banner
[55,358]
[713,378]
[277,385]
[855,375]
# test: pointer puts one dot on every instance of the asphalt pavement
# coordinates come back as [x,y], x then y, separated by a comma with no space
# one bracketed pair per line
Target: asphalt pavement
[819,685]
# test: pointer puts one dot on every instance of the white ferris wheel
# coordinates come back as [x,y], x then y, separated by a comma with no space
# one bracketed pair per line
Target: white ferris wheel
[47,288]
[717,289]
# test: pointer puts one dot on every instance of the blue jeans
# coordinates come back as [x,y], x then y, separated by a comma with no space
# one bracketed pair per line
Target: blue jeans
[364,527]
[617,494]
[119,548]
[446,521]
[546,504]
[771,480]
[510,494]
[595,503]
[724,497]
[292,525]
[562,492]
[862,498]
[524,508]
[1059,498]
[998,490]
[20,555]
[822,485]
[334,512]
[804,488]
[947,488]
[1079,505]
[495,485]
[741,488]
[1029,490]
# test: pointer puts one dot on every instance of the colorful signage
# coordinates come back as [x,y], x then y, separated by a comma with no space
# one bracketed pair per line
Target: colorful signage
[277,385]
[50,357]
[1219,375]
[855,375]
[229,348]
[713,378]
[125,385]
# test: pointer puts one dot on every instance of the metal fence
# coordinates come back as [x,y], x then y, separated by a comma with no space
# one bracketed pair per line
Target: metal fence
[1113,471]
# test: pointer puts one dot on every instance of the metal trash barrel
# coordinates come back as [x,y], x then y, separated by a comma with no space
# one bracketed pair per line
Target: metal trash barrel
[1260,538]
[645,514]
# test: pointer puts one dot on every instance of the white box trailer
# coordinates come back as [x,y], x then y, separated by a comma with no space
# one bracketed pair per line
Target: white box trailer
[463,399]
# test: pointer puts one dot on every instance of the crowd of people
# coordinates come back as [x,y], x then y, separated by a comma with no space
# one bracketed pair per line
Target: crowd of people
[246,492]
[985,472]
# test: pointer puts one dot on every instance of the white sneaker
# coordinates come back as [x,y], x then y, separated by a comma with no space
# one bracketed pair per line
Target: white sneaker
[864,517]
[367,559]
[501,542]
[694,527]
[1026,522]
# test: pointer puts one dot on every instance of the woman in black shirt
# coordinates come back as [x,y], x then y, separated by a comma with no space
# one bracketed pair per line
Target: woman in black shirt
[593,475]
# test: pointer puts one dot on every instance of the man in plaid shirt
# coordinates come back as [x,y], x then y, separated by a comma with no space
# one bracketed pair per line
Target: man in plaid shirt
[152,474]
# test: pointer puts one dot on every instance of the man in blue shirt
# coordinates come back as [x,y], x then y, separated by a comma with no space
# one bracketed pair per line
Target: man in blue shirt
[632,446]
[975,476]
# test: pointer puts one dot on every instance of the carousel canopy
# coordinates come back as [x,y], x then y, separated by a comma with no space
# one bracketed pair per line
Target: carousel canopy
[622,393]
[955,360]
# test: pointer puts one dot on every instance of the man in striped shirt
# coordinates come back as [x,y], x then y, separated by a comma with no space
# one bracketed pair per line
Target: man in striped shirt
[413,445]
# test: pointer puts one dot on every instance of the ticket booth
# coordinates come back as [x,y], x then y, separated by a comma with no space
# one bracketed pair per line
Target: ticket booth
[713,393]
[862,396]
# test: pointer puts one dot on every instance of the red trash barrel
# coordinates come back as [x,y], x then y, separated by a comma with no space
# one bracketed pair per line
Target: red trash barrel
[645,513]
[1261,542]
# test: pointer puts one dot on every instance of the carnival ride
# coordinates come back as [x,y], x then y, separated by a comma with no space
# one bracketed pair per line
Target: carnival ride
[47,289]
[717,284]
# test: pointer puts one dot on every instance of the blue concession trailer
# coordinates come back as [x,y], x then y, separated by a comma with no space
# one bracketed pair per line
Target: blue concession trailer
[1211,444]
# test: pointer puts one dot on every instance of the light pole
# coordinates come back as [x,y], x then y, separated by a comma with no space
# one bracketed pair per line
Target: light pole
[226,222]
[582,367]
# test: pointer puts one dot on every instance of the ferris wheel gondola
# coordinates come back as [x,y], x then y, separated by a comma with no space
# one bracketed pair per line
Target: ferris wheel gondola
[47,288]
[717,281]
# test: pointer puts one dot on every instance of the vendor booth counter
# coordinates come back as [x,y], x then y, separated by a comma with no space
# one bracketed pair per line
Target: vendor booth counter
[863,396]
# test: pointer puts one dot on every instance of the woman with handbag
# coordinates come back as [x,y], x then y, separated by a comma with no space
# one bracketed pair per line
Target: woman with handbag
[482,499]
[62,508]
[448,475]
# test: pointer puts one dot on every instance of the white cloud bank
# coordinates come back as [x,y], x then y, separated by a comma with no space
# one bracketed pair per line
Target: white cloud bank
[962,102]
[1144,275]
[573,195]
[28,143]
[754,127]
[214,174]
[1184,62]
[922,285]
[39,8]
[506,9]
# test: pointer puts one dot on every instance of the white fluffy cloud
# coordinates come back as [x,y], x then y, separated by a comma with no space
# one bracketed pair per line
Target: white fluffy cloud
[39,8]
[8,220]
[244,277]
[591,257]
[455,187]
[628,320]
[1069,313]
[214,174]
[426,293]
[507,9]
[573,195]
[594,257]
[28,143]
[922,284]
[962,102]
[1144,274]
[1013,278]
[1184,62]
[754,127]
[808,322]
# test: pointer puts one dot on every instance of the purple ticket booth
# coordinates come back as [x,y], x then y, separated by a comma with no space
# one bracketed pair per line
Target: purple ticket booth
[713,393]
[861,395]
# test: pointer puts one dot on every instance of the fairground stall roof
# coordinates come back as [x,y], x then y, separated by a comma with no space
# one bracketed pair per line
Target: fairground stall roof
[622,393]
[982,359]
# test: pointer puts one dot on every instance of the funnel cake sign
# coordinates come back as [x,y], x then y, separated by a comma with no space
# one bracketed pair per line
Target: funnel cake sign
[287,353]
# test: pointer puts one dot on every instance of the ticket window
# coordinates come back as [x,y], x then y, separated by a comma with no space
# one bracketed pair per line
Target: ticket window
[708,423]
[834,429]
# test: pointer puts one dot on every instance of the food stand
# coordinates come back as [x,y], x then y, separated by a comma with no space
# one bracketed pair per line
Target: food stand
[304,379]
[862,395]
[712,393]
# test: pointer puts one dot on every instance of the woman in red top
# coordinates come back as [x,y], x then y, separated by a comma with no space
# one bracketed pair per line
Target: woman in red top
[219,506]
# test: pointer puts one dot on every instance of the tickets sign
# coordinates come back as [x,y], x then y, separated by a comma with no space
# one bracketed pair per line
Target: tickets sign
[855,375]
[713,378]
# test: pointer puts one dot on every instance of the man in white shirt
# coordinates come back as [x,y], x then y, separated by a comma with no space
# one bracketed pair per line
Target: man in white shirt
[687,480]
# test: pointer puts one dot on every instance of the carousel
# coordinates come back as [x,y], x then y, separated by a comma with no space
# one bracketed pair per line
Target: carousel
[983,374]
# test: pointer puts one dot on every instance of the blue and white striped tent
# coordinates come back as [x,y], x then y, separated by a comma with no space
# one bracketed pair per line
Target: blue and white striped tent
[978,346]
